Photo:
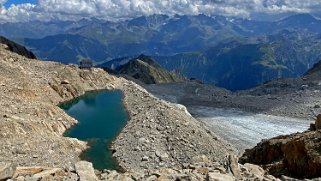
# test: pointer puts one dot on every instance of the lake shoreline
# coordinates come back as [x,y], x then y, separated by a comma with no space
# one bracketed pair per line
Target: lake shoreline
[93,142]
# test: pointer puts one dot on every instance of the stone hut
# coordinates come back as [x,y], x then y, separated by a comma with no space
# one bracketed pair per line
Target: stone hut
[86,64]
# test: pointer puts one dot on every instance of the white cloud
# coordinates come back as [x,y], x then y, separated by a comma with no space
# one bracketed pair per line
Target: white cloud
[2,2]
[120,9]
[3,10]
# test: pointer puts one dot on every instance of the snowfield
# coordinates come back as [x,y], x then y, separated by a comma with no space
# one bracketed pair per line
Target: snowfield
[245,130]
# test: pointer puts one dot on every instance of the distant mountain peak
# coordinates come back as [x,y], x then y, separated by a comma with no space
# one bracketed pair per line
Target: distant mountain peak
[148,71]
[303,18]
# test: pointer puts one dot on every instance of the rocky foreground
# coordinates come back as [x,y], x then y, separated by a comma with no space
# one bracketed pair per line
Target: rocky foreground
[297,155]
[161,141]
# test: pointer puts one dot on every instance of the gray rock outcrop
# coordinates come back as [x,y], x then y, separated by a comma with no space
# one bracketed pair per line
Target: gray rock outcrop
[85,171]
[296,155]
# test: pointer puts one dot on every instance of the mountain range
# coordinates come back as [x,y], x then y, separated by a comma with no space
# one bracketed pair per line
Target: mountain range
[233,53]
[151,35]
[245,62]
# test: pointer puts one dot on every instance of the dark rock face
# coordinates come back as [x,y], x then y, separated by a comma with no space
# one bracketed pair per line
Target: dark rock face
[318,122]
[296,155]
[14,47]
[146,70]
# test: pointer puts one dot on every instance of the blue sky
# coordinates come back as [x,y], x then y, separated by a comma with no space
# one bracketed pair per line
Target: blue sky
[9,2]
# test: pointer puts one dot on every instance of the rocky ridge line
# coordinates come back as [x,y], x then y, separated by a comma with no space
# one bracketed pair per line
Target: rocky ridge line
[15,47]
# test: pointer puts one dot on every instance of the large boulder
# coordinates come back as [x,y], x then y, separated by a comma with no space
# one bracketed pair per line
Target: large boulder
[219,177]
[296,155]
[85,171]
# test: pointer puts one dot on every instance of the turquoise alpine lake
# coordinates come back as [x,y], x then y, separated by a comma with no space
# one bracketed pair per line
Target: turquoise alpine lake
[101,117]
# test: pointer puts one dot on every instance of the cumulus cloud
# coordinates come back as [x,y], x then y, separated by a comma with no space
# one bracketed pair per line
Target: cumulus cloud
[122,9]
[2,2]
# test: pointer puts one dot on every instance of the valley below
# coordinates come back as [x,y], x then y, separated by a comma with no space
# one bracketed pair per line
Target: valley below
[243,119]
